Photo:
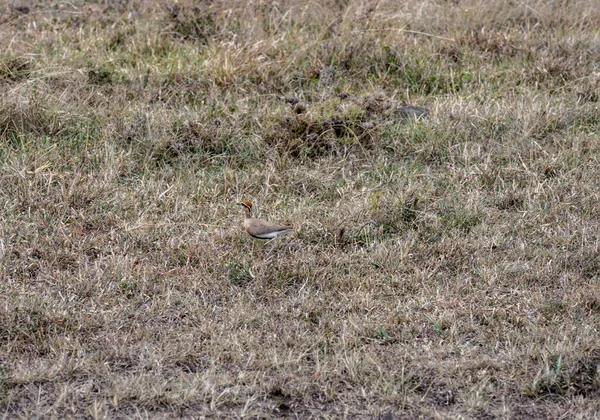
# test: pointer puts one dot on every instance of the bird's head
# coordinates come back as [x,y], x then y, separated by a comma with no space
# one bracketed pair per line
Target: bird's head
[247,205]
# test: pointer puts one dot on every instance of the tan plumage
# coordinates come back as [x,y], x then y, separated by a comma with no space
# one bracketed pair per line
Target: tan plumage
[261,229]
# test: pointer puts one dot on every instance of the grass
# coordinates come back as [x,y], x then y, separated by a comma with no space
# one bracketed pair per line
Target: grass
[444,265]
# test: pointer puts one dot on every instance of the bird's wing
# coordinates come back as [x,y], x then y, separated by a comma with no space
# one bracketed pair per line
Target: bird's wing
[264,229]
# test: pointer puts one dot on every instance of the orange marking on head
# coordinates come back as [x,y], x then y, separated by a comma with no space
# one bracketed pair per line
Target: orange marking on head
[247,204]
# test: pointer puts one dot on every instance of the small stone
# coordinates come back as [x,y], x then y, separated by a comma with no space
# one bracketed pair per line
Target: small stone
[409,111]
[367,125]
[327,75]
[292,100]
[21,10]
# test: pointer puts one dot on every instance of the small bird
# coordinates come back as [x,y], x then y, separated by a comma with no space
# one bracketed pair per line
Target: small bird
[261,229]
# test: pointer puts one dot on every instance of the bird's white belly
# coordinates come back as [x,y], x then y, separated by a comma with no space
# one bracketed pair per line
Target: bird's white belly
[271,235]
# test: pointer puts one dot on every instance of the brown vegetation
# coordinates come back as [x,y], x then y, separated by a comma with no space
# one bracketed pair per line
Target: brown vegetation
[445,263]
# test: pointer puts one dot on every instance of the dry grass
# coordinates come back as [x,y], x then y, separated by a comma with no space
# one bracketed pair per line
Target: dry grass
[444,266]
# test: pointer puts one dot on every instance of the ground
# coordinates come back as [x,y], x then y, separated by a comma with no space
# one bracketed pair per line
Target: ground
[440,161]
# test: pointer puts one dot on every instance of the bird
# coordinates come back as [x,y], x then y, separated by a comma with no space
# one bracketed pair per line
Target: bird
[261,229]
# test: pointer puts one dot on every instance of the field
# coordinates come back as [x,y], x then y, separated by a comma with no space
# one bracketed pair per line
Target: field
[445,264]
